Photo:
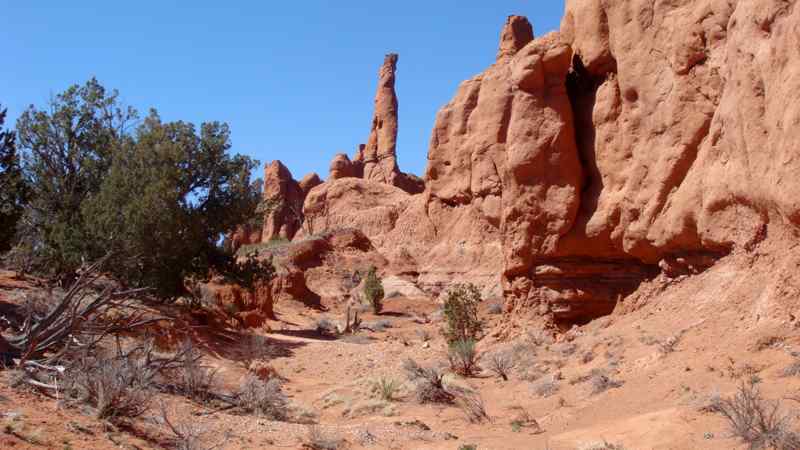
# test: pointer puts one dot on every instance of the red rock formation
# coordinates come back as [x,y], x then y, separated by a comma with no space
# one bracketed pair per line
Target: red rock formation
[308,183]
[586,161]
[377,160]
[380,153]
[251,308]
[294,260]
[244,235]
[341,167]
[516,34]
[285,197]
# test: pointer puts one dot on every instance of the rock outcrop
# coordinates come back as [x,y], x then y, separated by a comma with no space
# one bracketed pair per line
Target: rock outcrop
[380,153]
[376,161]
[341,167]
[284,197]
[641,139]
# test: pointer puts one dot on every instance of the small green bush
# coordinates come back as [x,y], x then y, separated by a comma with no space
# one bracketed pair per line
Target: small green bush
[373,290]
[463,357]
[461,313]
[386,389]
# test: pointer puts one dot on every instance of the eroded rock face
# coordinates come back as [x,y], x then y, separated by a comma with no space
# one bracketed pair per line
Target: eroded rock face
[643,138]
[341,167]
[308,183]
[286,203]
[380,153]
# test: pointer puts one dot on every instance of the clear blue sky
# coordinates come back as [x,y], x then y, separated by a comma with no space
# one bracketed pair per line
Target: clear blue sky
[295,80]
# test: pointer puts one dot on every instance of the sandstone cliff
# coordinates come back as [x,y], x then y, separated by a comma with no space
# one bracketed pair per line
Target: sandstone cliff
[642,138]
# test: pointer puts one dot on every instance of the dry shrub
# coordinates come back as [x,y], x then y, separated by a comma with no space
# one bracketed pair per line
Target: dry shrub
[793,369]
[472,405]
[501,364]
[265,398]
[428,383]
[546,388]
[756,421]
[255,348]
[319,440]
[191,378]
[326,327]
[668,346]
[116,388]
[602,382]
[186,436]
[566,349]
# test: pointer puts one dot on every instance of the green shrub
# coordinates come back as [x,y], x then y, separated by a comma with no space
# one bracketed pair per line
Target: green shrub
[159,196]
[373,290]
[463,357]
[461,313]
[12,186]
[386,389]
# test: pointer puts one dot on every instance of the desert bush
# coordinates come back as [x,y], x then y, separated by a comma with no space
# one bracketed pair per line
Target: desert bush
[471,404]
[546,387]
[793,369]
[117,388]
[461,313]
[463,357]
[501,364]
[185,436]
[265,398]
[381,325]
[373,290]
[468,447]
[709,403]
[524,353]
[566,349]
[191,377]
[386,388]
[668,346]
[428,382]
[326,327]
[756,421]
[602,382]
[319,440]
[255,348]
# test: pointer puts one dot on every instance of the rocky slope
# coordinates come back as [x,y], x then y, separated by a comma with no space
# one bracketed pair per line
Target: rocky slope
[642,138]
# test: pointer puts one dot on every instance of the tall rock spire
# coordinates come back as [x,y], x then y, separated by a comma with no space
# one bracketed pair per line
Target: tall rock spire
[380,153]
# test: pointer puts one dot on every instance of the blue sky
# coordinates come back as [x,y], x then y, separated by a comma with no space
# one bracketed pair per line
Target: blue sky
[295,80]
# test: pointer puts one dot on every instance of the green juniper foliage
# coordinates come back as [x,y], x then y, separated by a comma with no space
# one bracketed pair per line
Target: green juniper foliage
[67,150]
[373,290]
[13,190]
[159,195]
[169,195]
[461,313]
